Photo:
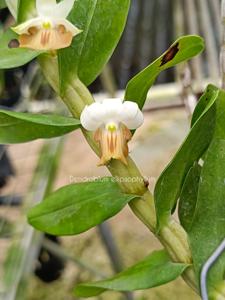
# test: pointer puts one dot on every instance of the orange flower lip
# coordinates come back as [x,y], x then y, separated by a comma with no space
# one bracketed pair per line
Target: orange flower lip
[46,39]
[113,144]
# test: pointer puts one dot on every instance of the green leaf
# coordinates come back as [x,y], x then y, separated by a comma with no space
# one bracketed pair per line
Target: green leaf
[2,4]
[102,22]
[203,103]
[181,50]
[170,182]
[13,57]
[188,197]
[78,207]
[208,226]
[26,9]
[154,270]
[18,127]
[220,116]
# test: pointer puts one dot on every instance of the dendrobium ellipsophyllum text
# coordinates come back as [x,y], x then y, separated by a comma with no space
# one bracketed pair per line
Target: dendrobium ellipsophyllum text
[50,30]
[112,119]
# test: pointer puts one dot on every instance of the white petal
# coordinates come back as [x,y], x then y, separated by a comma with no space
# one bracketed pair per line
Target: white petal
[91,118]
[112,109]
[68,25]
[96,111]
[24,27]
[130,109]
[131,115]
[114,101]
[135,122]
[64,8]
[12,6]
[45,8]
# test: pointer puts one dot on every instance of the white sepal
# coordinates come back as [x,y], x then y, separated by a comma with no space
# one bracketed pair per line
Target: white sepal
[112,110]
[12,6]
[68,25]
[91,117]
[64,8]
[45,8]
[132,116]
[24,27]
[50,8]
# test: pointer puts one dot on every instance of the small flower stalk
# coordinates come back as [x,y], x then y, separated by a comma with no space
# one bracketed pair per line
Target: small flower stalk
[50,30]
[112,120]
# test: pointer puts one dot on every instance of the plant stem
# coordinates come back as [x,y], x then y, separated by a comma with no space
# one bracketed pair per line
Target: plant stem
[173,237]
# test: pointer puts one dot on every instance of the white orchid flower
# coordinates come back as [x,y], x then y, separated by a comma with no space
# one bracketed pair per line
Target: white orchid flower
[50,30]
[112,120]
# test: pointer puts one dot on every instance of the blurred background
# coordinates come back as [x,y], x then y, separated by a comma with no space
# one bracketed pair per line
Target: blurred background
[37,266]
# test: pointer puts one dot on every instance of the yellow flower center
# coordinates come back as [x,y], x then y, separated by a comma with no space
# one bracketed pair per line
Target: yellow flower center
[46,25]
[111,127]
